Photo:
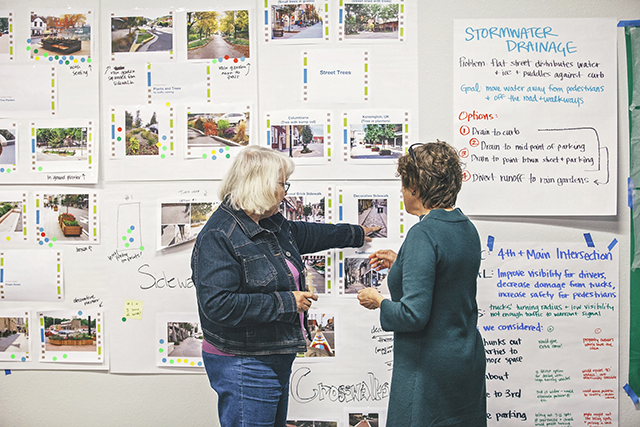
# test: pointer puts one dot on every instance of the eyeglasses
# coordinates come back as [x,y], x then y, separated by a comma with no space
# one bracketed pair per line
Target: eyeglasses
[285,185]
[412,153]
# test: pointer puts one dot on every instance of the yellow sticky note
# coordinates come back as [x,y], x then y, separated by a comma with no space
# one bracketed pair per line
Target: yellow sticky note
[133,309]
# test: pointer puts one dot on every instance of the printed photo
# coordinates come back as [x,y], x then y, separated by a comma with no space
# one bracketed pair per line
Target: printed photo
[322,327]
[371,21]
[184,339]
[181,222]
[65,217]
[298,141]
[375,141]
[14,334]
[295,21]
[10,217]
[61,144]
[314,273]
[358,275]
[307,423]
[72,333]
[7,146]
[373,213]
[141,133]
[66,34]
[364,420]
[213,35]
[303,208]
[4,35]
[142,33]
[220,129]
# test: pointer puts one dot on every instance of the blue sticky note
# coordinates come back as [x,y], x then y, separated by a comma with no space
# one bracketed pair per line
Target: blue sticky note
[589,240]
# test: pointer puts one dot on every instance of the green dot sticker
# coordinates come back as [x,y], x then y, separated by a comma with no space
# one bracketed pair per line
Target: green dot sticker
[162,156]
[28,47]
[64,356]
[204,156]
[228,156]
[126,245]
[50,245]
[215,61]
[54,358]
[164,148]
[128,231]
[13,356]
[39,168]
[119,139]
[54,238]
[124,319]
[88,59]
[124,237]
[142,248]
[161,350]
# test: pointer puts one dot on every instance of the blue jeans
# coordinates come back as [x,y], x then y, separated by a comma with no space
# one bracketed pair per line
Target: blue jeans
[252,390]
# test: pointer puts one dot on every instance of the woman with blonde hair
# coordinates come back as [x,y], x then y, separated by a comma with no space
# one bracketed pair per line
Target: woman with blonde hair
[252,297]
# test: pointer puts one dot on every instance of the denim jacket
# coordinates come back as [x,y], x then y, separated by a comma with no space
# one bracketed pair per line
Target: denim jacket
[243,285]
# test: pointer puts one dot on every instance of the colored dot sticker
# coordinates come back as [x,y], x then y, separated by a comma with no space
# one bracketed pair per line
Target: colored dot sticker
[132,228]
[164,137]
[54,358]
[8,238]
[54,238]
[214,61]
[64,356]
[164,360]
[129,230]
[222,150]
[226,57]
[162,156]
[235,60]
[126,245]
[204,156]
[131,239]
[142,248]
[50,245]
[168,104]
[13,356]
[41,243]
[228,156]
[161,350]
[171,361]
[158,144]
[40,169]
[124,319]
[24,359]
[161,341]
[214,158]
[80,313]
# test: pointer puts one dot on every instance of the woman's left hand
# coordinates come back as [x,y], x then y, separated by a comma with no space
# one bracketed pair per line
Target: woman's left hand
[370,298]
[367,231]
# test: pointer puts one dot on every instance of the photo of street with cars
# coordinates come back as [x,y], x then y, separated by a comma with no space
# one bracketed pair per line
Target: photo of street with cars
[74,332]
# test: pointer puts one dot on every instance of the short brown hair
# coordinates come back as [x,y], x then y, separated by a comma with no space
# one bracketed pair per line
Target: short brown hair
[435,173]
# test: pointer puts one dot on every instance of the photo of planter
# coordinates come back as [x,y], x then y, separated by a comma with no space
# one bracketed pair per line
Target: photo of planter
[64,34]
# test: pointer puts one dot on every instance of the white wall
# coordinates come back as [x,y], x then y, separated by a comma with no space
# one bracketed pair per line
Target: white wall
[72,398]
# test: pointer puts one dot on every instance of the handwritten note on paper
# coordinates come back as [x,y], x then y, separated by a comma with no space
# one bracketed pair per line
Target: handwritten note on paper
[548,317]
[133,309]
[534,114]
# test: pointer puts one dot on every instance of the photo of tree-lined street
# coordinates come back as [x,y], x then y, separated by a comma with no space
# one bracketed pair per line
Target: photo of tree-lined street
[141,133]
[219,129]
[142,34]
[375,141]
[65,217]
[298,141]
[66,34]
[61,144]
[371,21]
[295,21]
[7,146]
[214,35]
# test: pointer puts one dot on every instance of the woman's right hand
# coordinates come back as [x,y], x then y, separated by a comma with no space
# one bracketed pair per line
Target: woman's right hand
[383,258]
[303,300]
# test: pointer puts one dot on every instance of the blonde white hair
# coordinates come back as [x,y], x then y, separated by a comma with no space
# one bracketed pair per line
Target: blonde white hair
[252,182]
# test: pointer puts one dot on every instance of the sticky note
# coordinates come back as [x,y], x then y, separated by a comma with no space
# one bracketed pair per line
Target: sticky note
[133,309]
